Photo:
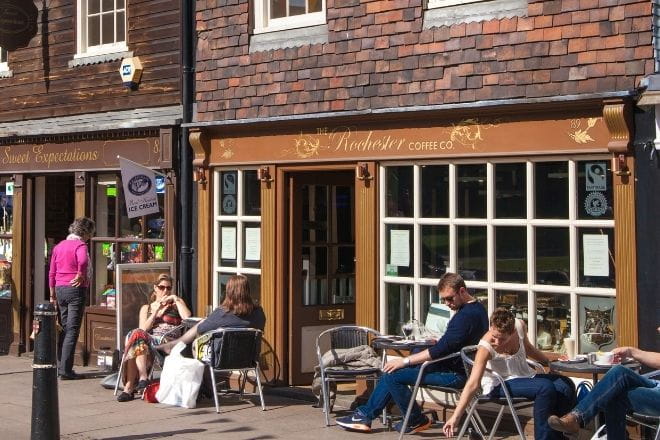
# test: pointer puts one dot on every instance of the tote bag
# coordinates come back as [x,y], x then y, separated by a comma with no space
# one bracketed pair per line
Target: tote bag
[180,379]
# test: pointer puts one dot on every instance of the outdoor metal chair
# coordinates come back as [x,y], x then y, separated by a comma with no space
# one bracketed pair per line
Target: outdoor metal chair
[646,420]
[234,349]
[513,403]
[455,391]
[158,359]
[343,337]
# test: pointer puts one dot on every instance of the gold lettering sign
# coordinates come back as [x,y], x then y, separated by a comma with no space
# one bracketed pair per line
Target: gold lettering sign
[331,315]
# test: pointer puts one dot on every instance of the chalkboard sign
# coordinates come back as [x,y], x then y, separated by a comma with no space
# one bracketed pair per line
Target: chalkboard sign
[135,284]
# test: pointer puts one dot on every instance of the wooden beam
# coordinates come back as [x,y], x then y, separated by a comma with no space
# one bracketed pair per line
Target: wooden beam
[366,245]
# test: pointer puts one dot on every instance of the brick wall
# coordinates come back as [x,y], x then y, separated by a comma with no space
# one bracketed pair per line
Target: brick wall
[378,56]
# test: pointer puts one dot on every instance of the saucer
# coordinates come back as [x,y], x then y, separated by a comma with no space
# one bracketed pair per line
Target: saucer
[576,360]
[604,364]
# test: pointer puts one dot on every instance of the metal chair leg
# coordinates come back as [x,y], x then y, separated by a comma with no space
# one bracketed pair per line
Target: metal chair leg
[121,369]
[473,406]
[326,401]
[257,372]
[409,410]
[496,425]
[215,390]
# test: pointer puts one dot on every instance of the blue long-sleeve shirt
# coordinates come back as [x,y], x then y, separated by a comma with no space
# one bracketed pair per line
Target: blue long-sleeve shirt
[467,327]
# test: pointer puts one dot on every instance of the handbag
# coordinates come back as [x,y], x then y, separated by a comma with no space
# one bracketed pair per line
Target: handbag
[582,390]
[149,393]
[180,379]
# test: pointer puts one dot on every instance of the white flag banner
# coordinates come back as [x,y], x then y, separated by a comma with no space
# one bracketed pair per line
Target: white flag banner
[139,188]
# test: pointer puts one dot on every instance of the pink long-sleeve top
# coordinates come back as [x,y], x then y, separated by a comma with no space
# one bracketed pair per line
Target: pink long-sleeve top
[68,259]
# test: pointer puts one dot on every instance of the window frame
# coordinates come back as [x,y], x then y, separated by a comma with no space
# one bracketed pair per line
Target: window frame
[532,287]
[263,24]
[83,50]
[4,65]
[432,4]
[240,220]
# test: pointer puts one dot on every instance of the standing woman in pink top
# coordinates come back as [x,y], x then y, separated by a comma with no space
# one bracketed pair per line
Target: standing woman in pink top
[68,279]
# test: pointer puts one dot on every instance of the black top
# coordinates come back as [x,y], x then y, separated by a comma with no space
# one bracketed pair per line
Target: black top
[222,319]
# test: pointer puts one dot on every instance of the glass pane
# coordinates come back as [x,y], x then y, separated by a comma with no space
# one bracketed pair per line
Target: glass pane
[108,5]
[510,190]
[553,321]
[3,55]
[121,26]
[594,190]
[435,250]
[596,257]
[227,244]
[254,280]
[515,302]
[228,192]
[315,275]
[297,7]
[596,323]
[552,256]
[6,205]
[128,227]
[5,249]
[155,252]
[399,306]
[277,8]
[131,253]
[471,191]
[315,213]
[93,6]
[108,28]
[5,268]
[551,190]
[399,191]
[94,31]
[106,202]
[156,221]
[511,254]
[342,275]
[481,295]
[251,245]
[251,193]
[435,196]
[344,207]
[120,4]
[472,259]
[399,250]
[427,295]
[104,274]
[314,5]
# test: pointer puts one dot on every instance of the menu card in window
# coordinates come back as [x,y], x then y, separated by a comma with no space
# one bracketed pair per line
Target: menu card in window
[400,247]
[228,239]
[252,244]
[596,253]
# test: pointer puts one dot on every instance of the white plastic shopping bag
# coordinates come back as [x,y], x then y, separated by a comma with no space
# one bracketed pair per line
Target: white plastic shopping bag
[180,379]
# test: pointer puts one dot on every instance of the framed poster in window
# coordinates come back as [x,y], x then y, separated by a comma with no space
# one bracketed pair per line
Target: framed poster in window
[135,284]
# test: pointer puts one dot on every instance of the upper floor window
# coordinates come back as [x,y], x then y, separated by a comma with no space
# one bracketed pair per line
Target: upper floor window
[101,26]
[3,60]
[277,15]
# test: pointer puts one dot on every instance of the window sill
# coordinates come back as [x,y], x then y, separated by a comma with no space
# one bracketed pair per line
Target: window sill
[6,73]
[84,60]
[289,38]
[482,11]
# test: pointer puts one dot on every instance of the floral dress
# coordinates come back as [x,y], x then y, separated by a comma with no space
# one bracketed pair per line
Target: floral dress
[138,341]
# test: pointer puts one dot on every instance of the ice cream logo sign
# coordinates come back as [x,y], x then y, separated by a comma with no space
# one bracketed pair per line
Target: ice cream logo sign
[343,139]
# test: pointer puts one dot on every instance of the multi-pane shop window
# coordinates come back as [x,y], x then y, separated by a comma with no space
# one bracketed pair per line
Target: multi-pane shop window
[6,226]
[275,15]
[120,239]
[101,26]
[534,236]
[237,231]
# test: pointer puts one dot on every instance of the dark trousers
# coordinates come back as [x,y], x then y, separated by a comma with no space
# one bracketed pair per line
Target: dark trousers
[71,304]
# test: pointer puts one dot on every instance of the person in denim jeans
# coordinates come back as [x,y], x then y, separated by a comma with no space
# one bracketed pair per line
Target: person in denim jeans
[620,391]
[465,328]
[504,350]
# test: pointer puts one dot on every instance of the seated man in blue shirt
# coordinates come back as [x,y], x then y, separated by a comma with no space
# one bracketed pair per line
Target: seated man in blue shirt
[468,325]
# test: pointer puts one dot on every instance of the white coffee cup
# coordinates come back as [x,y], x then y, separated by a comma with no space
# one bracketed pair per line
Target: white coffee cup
[569,344]
[605,357]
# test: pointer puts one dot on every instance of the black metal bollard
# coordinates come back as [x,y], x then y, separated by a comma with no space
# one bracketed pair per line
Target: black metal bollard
[45,404]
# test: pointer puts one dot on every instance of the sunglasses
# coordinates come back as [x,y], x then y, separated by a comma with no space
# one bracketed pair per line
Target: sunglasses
[448,299]
[164,287]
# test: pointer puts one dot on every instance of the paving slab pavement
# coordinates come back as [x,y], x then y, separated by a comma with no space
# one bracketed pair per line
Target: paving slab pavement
[89,411]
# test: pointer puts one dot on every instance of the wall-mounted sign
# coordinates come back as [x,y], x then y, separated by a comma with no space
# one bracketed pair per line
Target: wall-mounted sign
[18,23]
[596,176]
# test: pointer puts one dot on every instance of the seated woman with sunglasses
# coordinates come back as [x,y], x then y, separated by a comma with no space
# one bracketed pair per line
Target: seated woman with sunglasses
[158,321]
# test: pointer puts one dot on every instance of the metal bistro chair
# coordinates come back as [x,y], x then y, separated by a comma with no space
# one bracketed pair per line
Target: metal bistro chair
[158,357]
[455,391]
[234,349]
[513,403]
[343,337]
[645,420]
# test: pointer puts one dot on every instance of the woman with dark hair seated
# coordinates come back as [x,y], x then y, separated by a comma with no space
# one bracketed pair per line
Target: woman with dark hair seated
[504,350]
[158,320]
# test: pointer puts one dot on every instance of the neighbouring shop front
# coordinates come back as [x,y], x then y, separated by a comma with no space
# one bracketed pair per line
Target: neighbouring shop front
[48,181]
[354,221]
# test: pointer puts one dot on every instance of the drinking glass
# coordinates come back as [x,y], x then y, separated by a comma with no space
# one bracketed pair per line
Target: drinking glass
[407,329]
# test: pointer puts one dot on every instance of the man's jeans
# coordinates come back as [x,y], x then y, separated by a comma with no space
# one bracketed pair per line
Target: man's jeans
[395,386]
[71,304]
[620,391]
[552,395]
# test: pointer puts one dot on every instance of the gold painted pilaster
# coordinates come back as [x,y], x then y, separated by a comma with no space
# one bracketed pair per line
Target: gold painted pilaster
[204,249]
[17,268]
[79,196]
[366,247]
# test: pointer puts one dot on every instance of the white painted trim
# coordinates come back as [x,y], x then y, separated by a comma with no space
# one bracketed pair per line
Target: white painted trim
[84,51]
[263,24]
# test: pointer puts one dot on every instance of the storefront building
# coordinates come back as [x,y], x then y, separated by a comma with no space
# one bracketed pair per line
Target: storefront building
[346,165]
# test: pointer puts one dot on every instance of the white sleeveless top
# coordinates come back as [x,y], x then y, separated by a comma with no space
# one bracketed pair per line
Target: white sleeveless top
[509,366]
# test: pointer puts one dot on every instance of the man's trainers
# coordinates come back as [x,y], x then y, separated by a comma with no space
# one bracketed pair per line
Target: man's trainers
[355,422]
[422,424]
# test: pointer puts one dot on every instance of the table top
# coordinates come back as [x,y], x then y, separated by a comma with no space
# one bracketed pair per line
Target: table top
[398,343]
[190,322]
[586,367]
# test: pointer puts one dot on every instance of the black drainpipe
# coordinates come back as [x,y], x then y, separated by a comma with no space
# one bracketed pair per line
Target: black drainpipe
[185,155]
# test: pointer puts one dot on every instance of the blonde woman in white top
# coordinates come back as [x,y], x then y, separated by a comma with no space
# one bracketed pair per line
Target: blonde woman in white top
[504,350]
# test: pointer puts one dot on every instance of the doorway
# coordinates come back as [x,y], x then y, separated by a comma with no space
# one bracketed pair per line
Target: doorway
[321,263]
